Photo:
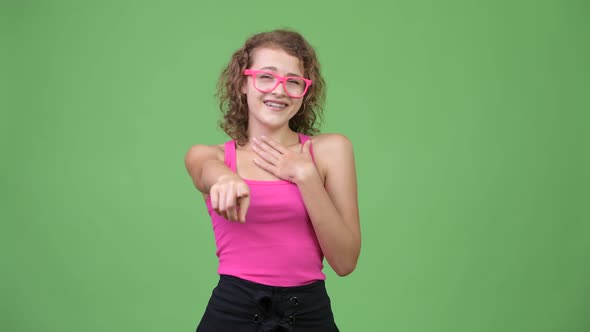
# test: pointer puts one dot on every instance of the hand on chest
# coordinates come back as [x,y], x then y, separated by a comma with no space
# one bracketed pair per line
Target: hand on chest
[248,170]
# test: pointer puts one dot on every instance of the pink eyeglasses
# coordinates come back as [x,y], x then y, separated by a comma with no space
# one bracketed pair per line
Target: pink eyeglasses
[266,81]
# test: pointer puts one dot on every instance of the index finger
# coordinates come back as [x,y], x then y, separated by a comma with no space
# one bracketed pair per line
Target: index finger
[243,204]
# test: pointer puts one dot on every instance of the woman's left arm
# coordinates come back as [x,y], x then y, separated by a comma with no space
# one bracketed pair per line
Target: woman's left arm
[332,206]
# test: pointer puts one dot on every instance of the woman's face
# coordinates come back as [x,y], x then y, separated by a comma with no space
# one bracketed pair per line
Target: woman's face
[272,109]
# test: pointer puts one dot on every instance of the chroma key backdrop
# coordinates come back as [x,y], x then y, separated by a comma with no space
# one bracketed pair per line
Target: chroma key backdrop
[469,121]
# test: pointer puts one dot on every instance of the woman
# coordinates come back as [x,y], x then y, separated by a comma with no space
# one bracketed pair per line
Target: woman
[280,200]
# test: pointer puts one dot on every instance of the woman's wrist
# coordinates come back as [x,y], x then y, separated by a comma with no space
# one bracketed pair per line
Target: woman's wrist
[215,171]
[307,175]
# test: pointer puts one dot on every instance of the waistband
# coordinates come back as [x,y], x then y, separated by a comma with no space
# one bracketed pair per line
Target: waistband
[224,278]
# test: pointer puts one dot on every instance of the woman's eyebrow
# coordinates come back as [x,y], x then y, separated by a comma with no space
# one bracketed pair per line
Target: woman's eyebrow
[273,68]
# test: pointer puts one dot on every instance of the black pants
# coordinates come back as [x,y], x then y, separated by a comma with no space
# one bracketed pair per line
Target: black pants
[238,305]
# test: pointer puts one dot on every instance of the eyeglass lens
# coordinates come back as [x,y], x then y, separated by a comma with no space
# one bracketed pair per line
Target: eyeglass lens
[267,82]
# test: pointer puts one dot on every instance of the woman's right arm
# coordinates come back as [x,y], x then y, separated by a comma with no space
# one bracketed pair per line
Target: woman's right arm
[229,194]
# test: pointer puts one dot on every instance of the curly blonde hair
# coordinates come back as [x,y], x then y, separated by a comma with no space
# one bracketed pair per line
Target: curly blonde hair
[233,103]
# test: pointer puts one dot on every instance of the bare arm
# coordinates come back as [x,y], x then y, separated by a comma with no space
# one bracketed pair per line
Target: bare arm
[229,194]
[333,206]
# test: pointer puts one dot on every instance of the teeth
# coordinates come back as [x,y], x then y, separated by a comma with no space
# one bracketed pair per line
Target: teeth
[271,104]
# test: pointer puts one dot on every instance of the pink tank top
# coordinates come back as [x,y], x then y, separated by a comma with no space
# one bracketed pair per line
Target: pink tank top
[277,245]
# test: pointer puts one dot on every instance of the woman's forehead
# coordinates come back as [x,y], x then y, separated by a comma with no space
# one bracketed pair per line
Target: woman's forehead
[277,60]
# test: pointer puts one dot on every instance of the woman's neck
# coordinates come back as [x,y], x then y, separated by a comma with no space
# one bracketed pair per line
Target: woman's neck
[284,136]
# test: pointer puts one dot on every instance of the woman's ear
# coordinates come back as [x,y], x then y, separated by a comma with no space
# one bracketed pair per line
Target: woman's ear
[243,88]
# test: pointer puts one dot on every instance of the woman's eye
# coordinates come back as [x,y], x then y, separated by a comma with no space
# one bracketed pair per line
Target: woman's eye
[267,76]
[295,82]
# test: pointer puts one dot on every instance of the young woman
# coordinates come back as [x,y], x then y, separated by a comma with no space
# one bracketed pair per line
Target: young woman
[280,200]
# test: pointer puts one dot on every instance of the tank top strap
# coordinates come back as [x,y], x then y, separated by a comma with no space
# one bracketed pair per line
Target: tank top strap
[304,138]
[230,154]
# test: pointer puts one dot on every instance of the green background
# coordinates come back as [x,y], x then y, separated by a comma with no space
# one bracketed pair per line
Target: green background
[468,118]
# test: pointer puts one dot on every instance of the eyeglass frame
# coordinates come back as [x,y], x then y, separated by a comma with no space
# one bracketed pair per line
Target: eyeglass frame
[280,79]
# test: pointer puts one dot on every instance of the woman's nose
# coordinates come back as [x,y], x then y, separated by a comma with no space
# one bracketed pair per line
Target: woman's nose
[279,90]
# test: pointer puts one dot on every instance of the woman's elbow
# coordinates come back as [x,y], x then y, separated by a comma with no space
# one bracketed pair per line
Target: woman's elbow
[345,269]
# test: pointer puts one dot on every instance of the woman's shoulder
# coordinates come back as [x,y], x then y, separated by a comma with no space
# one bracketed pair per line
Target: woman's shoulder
[331,142]
[203,151]
[332,153]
